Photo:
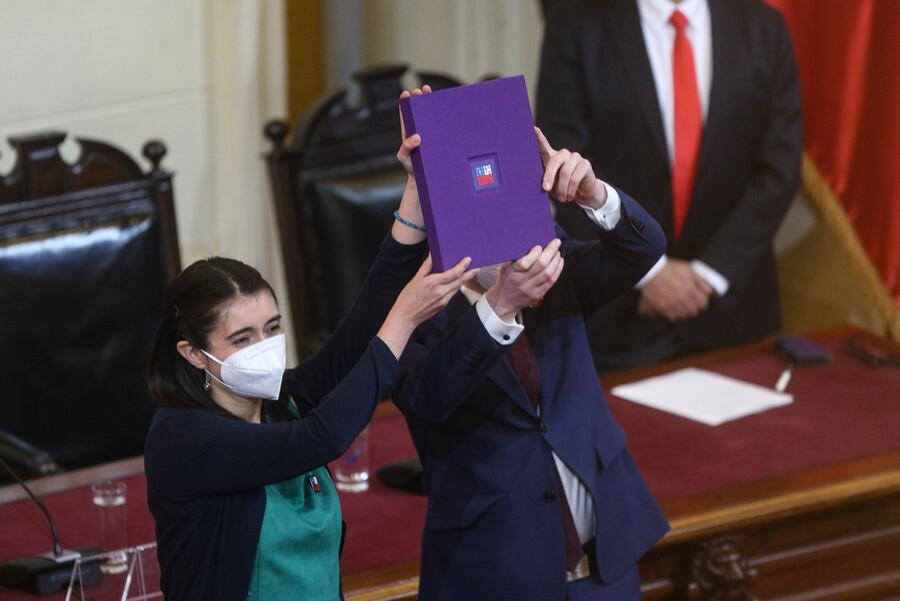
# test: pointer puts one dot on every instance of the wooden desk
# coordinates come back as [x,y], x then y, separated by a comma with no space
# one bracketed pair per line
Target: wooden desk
[823,532]
[794,528]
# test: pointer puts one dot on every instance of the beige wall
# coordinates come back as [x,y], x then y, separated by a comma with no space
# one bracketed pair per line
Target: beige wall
[465,38]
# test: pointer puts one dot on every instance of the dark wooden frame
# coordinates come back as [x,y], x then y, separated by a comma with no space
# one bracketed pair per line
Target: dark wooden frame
[41,187]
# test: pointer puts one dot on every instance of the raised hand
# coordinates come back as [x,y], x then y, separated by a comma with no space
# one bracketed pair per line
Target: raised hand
[410,208]
[411,143]
[424,295]
[525,282]
[568,176]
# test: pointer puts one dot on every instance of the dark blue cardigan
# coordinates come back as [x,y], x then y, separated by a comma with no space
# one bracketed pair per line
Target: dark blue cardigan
[206,473]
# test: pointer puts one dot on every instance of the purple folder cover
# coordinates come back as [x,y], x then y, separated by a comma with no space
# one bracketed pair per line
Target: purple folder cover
[479,172]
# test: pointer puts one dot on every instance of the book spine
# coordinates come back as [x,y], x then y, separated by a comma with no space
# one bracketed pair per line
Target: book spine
[434,247]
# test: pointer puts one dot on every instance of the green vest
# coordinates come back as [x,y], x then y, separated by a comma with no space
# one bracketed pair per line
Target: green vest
[299,541]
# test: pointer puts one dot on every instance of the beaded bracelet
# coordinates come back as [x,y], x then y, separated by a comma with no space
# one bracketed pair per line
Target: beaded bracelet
[407,223]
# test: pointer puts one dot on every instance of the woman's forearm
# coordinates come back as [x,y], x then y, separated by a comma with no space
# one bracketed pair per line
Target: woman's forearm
[395,265]
[411,211]
[395,333]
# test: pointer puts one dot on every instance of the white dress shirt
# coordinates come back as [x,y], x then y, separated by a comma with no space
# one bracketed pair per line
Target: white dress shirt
[659,39]
[581,503]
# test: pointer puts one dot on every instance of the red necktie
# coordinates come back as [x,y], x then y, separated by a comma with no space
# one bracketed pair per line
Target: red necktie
[688,122]
[521,355]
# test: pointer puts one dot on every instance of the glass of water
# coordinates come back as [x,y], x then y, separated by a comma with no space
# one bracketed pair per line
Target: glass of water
[112,521]
[351,472]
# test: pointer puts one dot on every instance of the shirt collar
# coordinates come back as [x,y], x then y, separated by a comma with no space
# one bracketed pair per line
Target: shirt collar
[659,11]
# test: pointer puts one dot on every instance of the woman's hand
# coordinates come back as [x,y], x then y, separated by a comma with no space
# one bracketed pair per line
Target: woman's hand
[409,209]
[568,176]
[424,295]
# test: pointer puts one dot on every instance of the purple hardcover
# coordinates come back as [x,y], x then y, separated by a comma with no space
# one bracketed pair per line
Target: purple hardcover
[479,172]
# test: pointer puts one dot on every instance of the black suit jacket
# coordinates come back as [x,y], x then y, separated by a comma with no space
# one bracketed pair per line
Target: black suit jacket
[597,95]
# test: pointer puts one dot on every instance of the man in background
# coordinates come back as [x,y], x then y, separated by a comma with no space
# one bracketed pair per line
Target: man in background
[703,102]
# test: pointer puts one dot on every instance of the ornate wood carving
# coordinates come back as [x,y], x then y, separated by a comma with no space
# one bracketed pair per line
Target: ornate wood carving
[721,572]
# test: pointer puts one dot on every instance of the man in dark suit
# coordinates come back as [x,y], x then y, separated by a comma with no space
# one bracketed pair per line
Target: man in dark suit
[532,493]
[692,106]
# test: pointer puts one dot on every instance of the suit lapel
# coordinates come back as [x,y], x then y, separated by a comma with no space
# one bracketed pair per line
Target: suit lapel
[505,376]
[503,373]
[724,33]
[625,28]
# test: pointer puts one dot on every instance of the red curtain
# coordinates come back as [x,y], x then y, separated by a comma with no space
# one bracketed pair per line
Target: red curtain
[848,54]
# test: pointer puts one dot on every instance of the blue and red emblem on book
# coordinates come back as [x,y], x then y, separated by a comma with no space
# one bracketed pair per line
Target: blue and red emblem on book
[484,175]
[484,172]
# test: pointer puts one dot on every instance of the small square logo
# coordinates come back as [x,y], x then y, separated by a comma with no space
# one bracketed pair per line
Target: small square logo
[484,172]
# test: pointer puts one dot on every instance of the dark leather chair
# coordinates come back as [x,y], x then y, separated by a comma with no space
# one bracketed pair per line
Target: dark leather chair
[336,184]
[86,250]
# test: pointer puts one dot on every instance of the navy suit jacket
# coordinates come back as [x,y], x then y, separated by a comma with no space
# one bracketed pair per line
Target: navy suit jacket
[494,526]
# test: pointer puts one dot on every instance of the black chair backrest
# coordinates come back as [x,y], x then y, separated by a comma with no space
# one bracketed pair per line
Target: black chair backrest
[86,250]
[336,184]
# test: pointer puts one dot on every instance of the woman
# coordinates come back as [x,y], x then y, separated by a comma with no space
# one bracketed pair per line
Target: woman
[235,457]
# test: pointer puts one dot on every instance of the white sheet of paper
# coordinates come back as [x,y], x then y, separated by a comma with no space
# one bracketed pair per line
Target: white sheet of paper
[702,396]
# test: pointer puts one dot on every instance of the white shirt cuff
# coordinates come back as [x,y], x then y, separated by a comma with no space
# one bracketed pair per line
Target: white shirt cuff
[610,213]
[715,279]
[657,267]
[503,332]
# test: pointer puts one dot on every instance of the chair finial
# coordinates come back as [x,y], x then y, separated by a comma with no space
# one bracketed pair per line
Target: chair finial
[154,151]
[276,131]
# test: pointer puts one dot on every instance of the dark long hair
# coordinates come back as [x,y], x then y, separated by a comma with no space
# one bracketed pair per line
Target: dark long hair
[191,309]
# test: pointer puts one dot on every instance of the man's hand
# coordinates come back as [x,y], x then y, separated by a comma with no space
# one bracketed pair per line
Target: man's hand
[676,293]
[525,282]
[568,176]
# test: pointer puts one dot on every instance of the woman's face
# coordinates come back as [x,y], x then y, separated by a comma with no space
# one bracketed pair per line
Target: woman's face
[244,320]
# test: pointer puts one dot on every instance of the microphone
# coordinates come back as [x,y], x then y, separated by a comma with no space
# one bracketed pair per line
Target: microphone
[49,572]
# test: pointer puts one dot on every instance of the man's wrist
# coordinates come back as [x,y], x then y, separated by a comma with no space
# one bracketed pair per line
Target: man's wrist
[652,272]
[716,280]
[504,331]
[607,216]
[599,198]
[503,312]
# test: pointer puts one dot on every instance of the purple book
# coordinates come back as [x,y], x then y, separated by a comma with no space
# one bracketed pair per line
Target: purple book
[479,172]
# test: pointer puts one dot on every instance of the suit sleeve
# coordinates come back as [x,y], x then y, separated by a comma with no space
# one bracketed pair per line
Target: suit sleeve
[198,453]
[393,268]
[601,270]
[443,371]
[747,232]
[562,109]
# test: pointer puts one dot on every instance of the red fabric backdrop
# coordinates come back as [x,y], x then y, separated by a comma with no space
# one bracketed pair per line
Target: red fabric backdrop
[847,54]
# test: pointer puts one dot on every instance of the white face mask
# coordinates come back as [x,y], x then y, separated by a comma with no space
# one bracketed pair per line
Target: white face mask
[486,276]
[255,371]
